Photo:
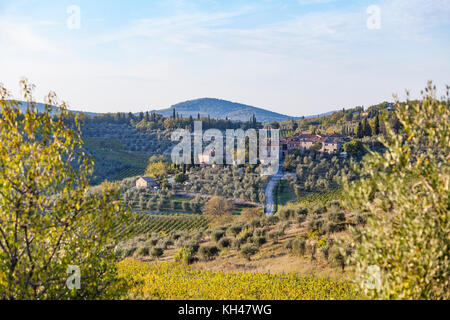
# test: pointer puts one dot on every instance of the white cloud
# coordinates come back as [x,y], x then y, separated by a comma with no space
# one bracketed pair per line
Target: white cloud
[19,38]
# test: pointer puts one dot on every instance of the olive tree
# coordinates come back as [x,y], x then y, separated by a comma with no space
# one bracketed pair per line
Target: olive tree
[405,192]
[52,224]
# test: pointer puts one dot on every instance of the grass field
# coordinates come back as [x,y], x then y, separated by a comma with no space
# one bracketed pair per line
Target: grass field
[285,192]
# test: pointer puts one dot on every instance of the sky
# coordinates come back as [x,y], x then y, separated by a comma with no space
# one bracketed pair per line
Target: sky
[296,57]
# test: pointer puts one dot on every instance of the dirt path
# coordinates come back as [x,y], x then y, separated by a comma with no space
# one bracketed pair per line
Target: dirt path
[270,203]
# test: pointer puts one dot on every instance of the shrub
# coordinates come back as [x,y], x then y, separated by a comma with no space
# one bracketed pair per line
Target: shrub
[301,211]
[191,245]
[359,218]
[224,243]
[336,217]
[248,250]
[284,214]
[315,222]
[334,205]
[337,255]
[185,255]
[299,247]
[142,251]
[288,245]
[238,242]
[119,252]
[258,240]
[234,230]
[208,252]
[180,178]
[311,245]
[325,251]
[255,223]
[322,242]
[157,252]
[128,252]
[245,234]
[275,235]
[284,226]
[272,220]
[301,219]
[259,232]
[217,235]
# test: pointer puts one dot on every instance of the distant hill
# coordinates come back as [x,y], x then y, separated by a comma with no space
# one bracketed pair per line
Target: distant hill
[221,109]
[215,108]
[41,107]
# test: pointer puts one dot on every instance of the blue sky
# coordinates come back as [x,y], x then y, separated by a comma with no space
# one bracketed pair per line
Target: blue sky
[297,57]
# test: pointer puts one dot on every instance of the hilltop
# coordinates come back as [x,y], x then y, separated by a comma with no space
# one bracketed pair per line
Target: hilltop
[222,109]
[41,108]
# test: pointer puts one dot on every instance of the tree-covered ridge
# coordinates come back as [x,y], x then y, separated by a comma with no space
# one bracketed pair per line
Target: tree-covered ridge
[222,109]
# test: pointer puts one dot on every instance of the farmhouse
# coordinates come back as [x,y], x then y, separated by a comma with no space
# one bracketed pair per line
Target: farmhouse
[147,182]
[206,158]
[331,143]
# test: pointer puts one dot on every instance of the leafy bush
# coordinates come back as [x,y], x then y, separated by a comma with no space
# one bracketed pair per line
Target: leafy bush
[192,245]
[311,245]
[248,250]
[299,247]
[272,220]
[235,229]
[301,211]
[180,178]
[275,235]
[157,252]
[217,235]
[258,240]
[405,192]
[325,251]
[338,256]
[142,251]
[315,222]
[224,243]
[301,219]
[208,252]
[238,242]
[288,245]
[185,255]
[259,232]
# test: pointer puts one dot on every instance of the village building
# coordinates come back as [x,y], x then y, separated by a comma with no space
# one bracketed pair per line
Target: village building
[206,158]
[331,143]
[147,183]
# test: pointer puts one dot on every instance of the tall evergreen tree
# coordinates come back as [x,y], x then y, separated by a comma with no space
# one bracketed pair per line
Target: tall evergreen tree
[367,130]
[359,130]
[376,126]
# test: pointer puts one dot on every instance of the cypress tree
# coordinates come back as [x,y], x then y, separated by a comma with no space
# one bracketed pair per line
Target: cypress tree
[376,126]
[359,131]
